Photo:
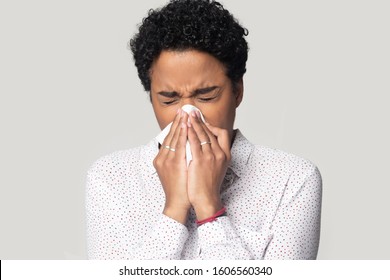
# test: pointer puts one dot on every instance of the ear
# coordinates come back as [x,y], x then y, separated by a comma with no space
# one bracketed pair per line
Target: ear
[239,92]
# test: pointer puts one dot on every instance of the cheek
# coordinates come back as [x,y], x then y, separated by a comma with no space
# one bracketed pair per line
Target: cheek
[219,118]
[165,117]
[220,114]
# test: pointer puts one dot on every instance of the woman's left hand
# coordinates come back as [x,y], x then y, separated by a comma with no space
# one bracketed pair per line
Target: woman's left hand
[208,166]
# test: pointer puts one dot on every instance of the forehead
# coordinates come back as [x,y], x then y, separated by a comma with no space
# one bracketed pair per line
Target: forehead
[186,69]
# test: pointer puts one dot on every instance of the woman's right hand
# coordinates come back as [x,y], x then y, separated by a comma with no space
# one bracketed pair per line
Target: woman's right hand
[171,168]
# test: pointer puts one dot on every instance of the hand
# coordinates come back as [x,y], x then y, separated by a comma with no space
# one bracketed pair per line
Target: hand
[171,168]
[208,166]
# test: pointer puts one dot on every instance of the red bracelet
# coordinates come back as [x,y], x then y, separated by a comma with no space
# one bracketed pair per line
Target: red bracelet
[212,218]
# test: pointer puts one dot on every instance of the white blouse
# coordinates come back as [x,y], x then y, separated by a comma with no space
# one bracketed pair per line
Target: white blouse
[273,202]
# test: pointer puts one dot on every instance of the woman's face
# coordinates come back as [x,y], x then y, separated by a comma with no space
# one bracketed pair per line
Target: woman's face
[196,78]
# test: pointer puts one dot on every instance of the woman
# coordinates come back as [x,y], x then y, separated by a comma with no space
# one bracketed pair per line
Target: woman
[234,200]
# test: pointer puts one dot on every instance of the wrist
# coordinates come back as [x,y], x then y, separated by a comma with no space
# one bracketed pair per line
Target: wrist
[176,213]
[206,210]
[218,214]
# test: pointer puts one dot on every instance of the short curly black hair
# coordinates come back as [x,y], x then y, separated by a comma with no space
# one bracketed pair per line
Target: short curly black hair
[202,25]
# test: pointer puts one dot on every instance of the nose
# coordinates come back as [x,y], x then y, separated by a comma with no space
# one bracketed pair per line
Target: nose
[190,108]
[187,101]
[186,104]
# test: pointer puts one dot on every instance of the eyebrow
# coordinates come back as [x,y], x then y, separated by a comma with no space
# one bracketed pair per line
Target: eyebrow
[199,91]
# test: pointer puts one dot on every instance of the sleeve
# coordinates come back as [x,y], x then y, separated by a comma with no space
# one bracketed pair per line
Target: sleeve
[164,242]
[296,226]
[111,236]
[218,240]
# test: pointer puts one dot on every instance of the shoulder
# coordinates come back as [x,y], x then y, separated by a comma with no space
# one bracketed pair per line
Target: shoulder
[114,161]
[288,171]
[122,167]
[267,162]
[276,159]
[116,166]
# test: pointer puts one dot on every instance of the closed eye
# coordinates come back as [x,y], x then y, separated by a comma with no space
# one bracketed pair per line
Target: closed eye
[168,102]
[206,99]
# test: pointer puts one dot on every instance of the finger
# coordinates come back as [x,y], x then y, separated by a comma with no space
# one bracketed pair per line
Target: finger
[163,150]
[216,149]
[175,124]
[175,140]
[200,132]
[222,137]
[182,140]
[213,139]
[196,149]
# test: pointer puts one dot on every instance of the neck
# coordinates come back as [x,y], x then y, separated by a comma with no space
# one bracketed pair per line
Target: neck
[232,137]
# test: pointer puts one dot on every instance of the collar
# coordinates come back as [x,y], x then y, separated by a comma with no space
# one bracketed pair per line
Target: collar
[148,153]
[241,152]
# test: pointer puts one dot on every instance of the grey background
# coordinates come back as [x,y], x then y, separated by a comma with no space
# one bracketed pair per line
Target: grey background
[317,86]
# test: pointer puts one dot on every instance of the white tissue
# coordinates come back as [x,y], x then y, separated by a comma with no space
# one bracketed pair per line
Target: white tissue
[160,138]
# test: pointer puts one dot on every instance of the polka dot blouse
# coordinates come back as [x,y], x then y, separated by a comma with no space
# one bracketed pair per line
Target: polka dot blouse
[273,202]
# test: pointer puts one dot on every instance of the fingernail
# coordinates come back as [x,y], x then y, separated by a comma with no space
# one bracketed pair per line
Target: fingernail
[178,110]
[193,114]
[198,114]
